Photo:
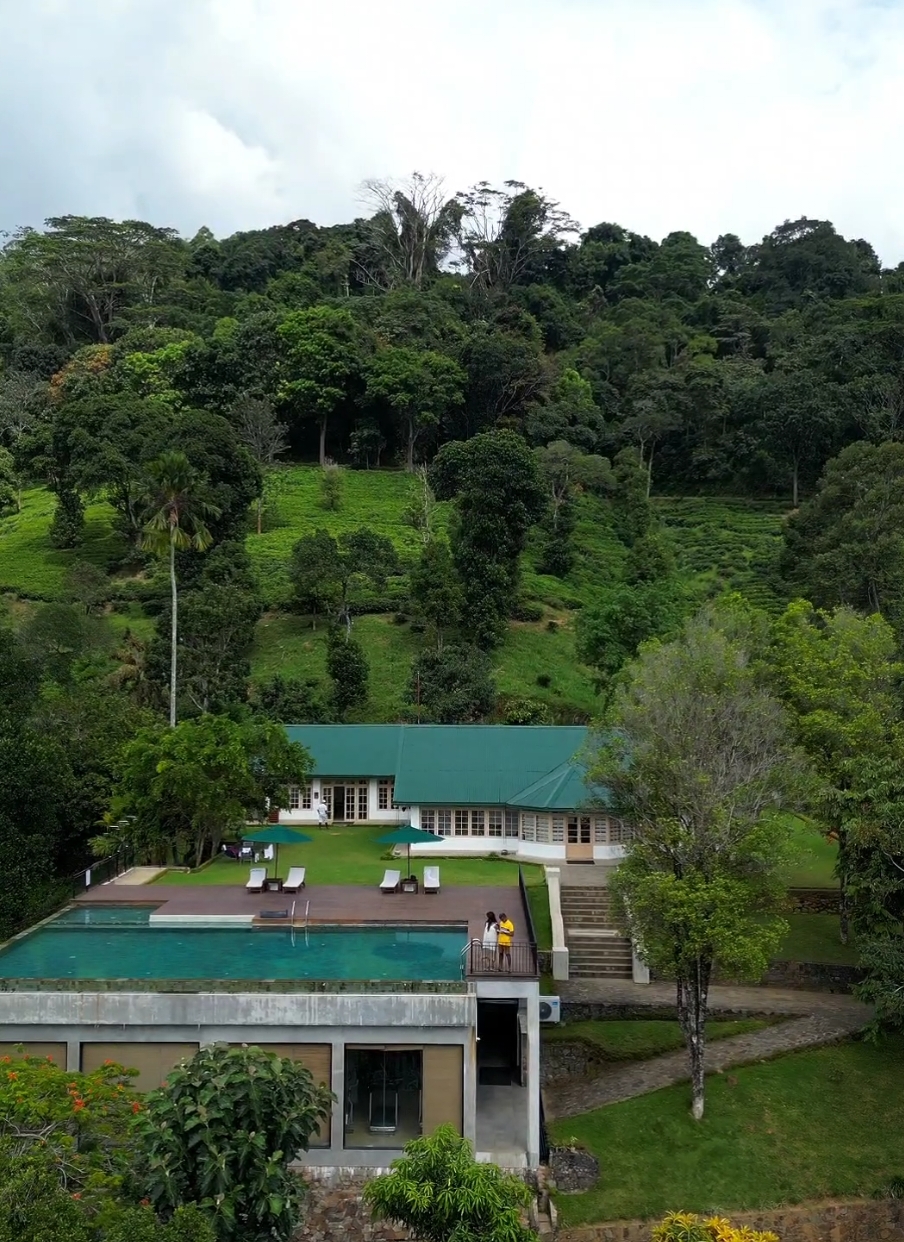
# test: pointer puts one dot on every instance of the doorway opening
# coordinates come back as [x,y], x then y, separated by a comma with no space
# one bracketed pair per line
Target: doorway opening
[498,1043]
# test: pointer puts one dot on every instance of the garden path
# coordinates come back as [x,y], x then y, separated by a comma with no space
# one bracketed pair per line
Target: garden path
[814,1019]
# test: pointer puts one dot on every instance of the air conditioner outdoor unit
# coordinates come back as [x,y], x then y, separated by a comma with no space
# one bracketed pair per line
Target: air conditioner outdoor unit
[550,1009]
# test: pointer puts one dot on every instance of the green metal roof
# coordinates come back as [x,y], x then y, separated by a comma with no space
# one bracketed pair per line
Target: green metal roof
[563,789]
[349,750]
[457,765]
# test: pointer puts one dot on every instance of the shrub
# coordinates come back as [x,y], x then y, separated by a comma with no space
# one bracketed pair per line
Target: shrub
[331,488]
[552,626]
[544,680]
[255,1111]
[685,1227]
[400,619]
[527,610]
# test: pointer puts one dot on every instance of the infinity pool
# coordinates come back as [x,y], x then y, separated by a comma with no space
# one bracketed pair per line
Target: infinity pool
[105,943]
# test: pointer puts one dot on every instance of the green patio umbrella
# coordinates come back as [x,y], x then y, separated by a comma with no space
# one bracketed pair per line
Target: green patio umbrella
[277,834]
[408,835]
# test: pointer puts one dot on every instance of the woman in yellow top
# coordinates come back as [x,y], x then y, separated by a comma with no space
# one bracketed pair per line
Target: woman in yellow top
[506,932]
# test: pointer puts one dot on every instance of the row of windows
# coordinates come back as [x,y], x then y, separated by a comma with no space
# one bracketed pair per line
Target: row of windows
[449,822]
[469,822]
[544,829]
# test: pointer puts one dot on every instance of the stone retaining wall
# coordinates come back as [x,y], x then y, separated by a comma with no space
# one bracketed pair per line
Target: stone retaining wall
[335,1211]
[813,976]
[878,1220]
[575,1059]
[814,900]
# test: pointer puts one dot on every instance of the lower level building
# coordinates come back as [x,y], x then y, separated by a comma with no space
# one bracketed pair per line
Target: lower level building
[391,1001]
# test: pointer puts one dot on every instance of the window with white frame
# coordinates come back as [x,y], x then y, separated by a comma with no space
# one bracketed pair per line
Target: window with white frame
[478,823]
[428,819]
[299,798]
[461,823]
[543,828]
[558,828]
[494,824]
[362,800]
[443,823]
[620,832]
[512,824]
[385,793]
[529,826]
[601,829]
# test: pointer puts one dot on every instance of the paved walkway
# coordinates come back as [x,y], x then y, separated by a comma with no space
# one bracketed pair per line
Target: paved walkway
[815,1018]
[139,875]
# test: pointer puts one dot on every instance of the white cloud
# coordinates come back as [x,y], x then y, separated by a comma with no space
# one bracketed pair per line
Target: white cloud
[707,115]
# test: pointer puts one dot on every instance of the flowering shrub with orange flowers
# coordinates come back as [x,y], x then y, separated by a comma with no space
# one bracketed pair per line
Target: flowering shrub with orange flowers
[685,1227]
[83,1122]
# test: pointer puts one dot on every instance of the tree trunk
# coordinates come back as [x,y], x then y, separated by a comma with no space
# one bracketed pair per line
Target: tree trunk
[650,473]
[260,510]
[794,492]
[411,438]
[323,442]
[692,999]
[175,600]
[844,922]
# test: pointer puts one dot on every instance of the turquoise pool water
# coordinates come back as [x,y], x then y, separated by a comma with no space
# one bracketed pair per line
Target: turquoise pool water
[106,943]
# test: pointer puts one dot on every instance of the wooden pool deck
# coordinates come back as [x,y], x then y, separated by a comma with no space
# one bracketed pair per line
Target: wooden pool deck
[329,904]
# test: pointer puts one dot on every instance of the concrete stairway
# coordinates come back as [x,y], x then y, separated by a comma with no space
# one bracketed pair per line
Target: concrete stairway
[597,946]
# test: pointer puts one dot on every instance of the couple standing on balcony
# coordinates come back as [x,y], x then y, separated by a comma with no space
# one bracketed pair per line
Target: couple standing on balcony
[497,938]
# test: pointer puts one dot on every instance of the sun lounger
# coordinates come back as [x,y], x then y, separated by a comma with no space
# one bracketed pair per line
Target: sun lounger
[391,882]
[431,879]
[294,881]
[268,853]
[256,880]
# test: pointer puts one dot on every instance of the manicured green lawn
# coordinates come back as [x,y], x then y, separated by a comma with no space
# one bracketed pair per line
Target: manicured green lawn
[636,1041]
[814,866]
[352,855]
[816,938]
[820,1124]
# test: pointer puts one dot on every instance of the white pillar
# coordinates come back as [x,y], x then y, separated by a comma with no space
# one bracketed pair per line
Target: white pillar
[533,1078]
[469,1088]
[559,947]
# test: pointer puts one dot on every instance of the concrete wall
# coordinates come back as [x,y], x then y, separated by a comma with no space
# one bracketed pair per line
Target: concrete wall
[76,1019]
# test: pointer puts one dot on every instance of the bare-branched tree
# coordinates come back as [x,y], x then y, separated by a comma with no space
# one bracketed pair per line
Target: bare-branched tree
[412,230]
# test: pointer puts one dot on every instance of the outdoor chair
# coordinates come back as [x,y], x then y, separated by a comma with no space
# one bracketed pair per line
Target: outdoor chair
[294,881]
[431,879]
[256,880]
[391,882]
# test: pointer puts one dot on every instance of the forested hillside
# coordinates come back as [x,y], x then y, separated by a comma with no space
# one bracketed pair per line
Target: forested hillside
[453,460]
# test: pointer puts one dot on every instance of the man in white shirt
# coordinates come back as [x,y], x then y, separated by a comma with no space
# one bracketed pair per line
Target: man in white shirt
[323,814]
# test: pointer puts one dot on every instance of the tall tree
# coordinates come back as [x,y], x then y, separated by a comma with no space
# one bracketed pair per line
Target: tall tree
[86,276]
[846,546]
[697,755]
[411,233]
[181,790]
[419,385]
[323,360]
[265,437]
[177,513]
[498,493]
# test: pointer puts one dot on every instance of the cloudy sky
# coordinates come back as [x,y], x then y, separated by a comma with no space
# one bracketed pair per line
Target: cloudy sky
[707,115]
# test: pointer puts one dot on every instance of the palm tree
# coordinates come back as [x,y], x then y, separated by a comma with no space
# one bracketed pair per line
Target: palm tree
[177,511]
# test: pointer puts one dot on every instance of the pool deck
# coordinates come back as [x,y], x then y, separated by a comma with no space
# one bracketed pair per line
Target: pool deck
[231,905]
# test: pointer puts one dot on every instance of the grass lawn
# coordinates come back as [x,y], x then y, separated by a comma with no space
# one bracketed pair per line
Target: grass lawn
[814,866]
[352,855]
[638,1040]
[30,567]
[816,938]
[820,1124]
